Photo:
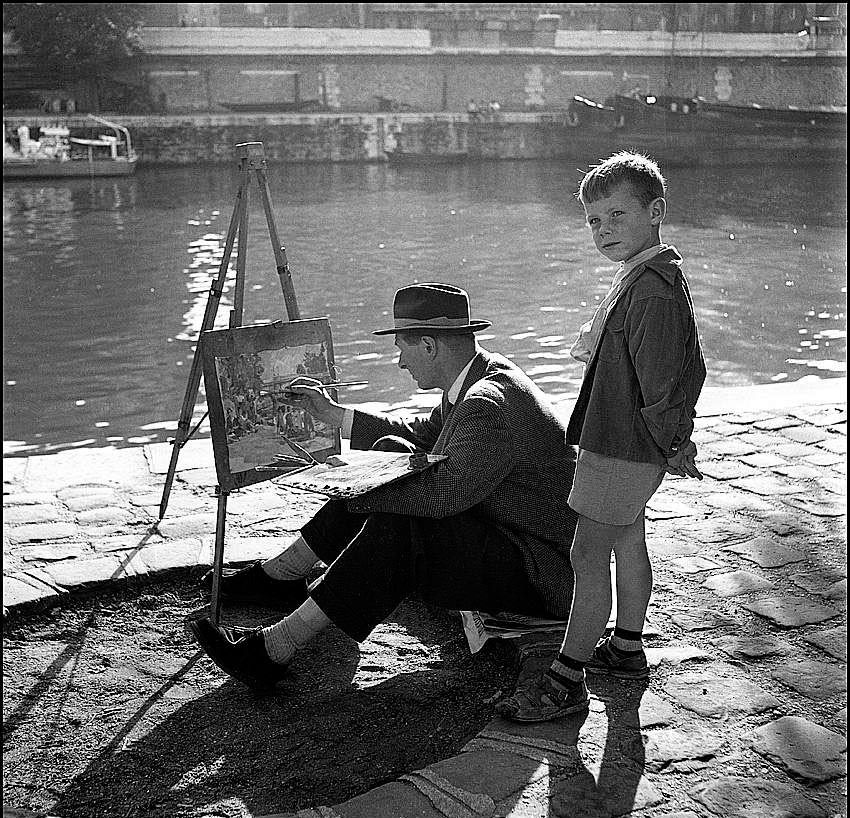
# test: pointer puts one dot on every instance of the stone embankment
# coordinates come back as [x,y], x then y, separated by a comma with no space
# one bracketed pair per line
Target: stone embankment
[191,139]
[744,713]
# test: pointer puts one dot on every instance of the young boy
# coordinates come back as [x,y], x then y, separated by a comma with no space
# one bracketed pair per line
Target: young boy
[632,422]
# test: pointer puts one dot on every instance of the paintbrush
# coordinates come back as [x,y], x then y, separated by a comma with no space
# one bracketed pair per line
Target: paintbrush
[333,384]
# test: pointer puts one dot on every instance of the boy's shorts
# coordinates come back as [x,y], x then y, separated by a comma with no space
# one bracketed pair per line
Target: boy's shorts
[612,491]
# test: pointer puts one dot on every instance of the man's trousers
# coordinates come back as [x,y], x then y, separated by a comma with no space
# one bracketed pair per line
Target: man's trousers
[376,560]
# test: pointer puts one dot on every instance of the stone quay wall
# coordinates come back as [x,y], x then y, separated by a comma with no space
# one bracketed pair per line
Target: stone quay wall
[204,70]
[446,81]
[201,138]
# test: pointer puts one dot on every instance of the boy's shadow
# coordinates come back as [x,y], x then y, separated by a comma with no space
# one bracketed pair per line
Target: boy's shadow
[317,740]
[589,779]
[615,788]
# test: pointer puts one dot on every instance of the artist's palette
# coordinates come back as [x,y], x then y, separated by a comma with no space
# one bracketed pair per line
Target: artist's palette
[357,472]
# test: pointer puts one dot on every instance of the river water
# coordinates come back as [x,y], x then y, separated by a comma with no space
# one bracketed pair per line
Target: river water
[105,281]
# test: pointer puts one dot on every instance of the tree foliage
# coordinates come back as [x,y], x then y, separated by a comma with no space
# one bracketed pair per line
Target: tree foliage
[75,39]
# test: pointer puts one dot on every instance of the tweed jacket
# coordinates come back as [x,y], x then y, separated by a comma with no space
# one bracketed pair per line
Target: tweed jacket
[507,463]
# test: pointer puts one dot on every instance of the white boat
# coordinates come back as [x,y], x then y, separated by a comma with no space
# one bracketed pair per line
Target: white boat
[58,154]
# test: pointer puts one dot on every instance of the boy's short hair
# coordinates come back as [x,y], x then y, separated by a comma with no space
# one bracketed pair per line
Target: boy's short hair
[640,172]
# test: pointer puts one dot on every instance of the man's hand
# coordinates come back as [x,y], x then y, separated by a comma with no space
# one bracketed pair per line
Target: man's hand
[309,394]
[682,463]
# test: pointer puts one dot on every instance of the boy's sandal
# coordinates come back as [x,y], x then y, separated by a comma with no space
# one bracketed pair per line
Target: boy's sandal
[540,701]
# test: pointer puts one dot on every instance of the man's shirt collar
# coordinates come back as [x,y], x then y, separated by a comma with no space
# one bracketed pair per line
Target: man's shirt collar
[454,390]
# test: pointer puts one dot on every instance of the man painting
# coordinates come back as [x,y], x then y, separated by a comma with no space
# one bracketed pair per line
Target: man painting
[488,528]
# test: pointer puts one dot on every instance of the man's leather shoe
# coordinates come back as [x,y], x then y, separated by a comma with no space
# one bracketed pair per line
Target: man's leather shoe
[253,586]
[239,652]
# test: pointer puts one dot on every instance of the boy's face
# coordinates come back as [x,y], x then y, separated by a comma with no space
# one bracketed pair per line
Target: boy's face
[622,227]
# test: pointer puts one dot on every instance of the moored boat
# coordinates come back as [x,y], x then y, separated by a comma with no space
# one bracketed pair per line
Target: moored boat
[59,154]
[693,131]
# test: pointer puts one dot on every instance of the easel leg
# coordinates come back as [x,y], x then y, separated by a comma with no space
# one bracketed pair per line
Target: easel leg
[207,323]
[241,254]
[279,251]
[252,157]
[218,555]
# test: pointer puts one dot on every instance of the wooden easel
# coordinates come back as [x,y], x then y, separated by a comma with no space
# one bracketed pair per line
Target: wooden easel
[252,157]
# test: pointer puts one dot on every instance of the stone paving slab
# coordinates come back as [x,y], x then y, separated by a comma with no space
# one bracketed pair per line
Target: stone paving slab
[717,689]
[667,745]
[755,798]
[815,679]
[754,647]
[833,641]
[766,552]
[736,583]
[748,617]
[675,655]
[790,611]
[807,751]
[818,507]
[702,620]
[694,564]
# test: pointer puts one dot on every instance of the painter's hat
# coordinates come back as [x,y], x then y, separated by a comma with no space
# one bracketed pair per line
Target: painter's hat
[432,308]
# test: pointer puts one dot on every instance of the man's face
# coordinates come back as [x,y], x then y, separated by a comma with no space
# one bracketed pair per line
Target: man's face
[415,358]
[622,227]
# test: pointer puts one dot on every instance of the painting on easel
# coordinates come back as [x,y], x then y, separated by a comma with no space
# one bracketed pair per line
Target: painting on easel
[256,433]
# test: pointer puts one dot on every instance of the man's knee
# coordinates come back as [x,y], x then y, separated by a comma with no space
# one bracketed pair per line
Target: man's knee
[393,443]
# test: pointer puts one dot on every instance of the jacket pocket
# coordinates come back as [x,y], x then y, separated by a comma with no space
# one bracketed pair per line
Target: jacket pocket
[613,343]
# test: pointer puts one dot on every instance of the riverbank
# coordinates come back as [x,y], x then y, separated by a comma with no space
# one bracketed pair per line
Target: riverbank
[745,711]
[189,139]
[209,138]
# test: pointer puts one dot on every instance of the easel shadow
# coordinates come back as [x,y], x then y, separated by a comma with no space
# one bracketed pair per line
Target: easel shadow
[70,655]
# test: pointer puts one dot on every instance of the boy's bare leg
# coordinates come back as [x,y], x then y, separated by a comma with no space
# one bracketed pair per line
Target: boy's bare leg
[634,577]
[561,690]
[591,558]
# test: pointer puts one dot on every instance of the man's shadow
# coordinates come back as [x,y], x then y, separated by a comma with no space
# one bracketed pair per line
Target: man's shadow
[317,740]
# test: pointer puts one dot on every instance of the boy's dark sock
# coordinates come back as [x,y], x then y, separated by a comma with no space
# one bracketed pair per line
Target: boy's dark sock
[624,642]
[565,672]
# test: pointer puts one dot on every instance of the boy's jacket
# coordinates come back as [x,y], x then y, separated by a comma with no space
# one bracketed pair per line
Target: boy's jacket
[638,396]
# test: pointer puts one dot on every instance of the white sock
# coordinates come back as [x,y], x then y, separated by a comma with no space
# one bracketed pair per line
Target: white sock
[284,638]
[295,562]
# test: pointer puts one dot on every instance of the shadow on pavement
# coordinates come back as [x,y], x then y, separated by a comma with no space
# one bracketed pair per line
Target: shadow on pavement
[609,785]
[317,740]
[590,765]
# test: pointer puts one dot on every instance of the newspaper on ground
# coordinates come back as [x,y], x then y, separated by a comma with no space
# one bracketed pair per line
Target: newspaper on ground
[479,627]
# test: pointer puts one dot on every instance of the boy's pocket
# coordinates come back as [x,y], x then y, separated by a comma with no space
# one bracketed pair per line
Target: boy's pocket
[613,344]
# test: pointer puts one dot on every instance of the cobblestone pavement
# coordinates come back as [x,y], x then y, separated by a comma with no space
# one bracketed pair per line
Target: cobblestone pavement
[745,711]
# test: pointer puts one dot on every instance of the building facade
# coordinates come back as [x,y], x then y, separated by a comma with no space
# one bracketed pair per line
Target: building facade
[346,57]
[450,22]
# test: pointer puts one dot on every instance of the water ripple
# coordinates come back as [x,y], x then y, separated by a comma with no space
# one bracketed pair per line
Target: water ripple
[106,281]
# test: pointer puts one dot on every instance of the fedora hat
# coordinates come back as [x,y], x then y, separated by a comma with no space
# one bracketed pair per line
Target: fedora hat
[434,308]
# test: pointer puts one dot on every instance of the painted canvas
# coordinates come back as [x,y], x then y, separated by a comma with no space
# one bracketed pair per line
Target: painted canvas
[256,433]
